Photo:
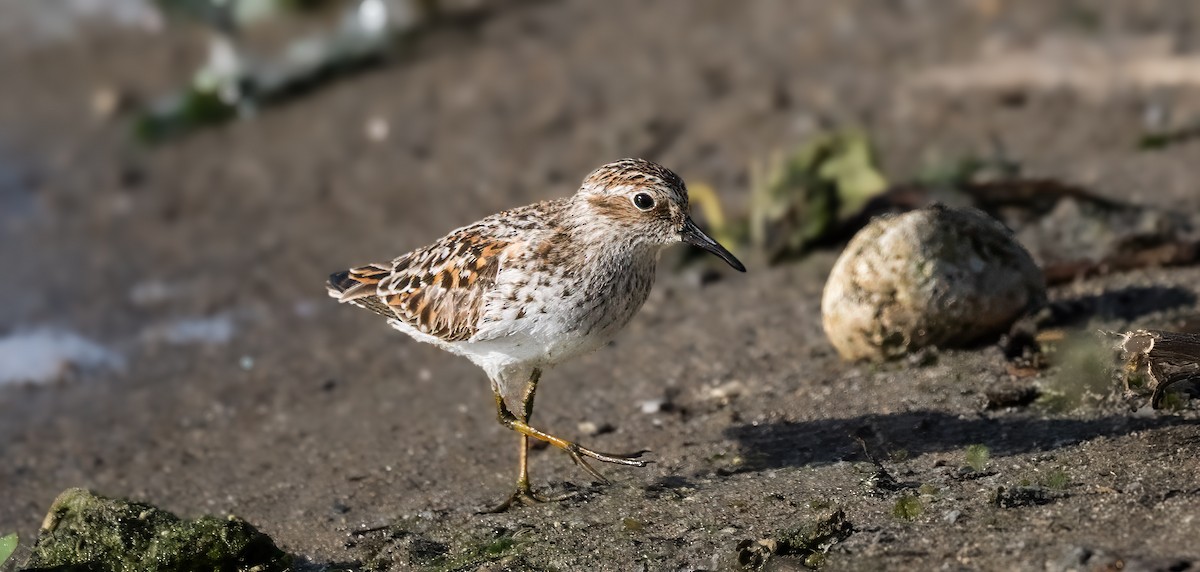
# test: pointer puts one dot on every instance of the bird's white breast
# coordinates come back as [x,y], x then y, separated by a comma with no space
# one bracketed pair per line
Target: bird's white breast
[539,316]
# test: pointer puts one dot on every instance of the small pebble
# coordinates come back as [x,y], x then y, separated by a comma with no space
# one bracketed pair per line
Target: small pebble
[377,129]
[650,406]
[107,102]
[725,392]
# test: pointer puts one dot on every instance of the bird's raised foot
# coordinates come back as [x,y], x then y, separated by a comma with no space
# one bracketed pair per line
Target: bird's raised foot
[578,453]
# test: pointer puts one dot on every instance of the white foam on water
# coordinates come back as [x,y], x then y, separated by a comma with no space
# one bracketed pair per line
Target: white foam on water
[58,20]
[213,330]
[44,355]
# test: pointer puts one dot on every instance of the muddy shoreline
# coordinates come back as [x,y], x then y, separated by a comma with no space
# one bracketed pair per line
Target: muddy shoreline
[312,421]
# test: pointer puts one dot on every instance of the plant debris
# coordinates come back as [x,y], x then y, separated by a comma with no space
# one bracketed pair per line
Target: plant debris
[1011,394]
[1021,496]
[908,507]
[1169,360]
[977,457]
[830,188]
[808,542]
[800,200]
[880,482]
[1157,140]
[235,84]
[8,544]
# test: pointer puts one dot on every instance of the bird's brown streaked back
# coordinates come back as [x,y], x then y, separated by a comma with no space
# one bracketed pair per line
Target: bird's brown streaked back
[439,289]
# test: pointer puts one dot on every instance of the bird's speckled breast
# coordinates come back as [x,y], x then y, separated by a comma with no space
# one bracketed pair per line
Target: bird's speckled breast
[546,314]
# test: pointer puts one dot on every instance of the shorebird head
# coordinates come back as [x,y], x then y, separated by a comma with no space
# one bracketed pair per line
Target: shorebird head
[648,204]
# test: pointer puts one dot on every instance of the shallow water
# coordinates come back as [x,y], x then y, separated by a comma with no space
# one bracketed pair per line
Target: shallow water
[43,21]
[44,355]
[17,203]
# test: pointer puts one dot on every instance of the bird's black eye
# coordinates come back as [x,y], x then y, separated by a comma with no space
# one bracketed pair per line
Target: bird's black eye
[643,201]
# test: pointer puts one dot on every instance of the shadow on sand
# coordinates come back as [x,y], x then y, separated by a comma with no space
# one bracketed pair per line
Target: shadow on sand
[792,444]
[1121,304]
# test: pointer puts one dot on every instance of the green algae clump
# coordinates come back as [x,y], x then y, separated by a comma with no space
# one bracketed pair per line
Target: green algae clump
[87,532]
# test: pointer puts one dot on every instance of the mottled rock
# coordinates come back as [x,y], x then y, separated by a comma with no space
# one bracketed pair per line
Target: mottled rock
[87,532]
[931,277]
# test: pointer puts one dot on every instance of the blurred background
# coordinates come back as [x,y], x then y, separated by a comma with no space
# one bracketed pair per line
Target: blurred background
[178,177]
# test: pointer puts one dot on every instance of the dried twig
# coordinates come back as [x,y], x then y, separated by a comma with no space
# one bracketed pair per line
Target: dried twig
[1169,358]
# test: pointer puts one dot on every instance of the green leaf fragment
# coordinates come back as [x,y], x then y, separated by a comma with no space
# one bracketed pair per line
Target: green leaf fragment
[977,457]
[908,507]
[8,544]
[800,199]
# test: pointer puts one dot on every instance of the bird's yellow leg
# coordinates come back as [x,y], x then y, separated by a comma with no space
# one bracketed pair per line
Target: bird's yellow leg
[524,494]
[576,451]
[527,412]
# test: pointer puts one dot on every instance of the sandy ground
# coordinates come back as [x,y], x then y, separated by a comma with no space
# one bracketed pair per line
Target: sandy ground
[313,420]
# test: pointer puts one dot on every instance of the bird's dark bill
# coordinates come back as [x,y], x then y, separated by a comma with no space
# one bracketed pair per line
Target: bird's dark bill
[696,237]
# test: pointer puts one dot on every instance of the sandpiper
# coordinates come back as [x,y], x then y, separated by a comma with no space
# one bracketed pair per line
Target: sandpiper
[532,287]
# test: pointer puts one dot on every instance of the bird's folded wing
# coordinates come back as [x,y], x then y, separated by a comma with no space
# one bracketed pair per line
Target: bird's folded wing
[439,290]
